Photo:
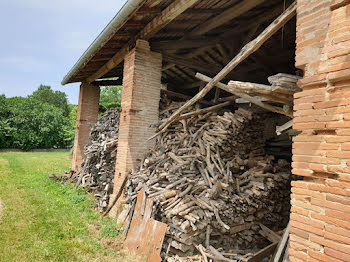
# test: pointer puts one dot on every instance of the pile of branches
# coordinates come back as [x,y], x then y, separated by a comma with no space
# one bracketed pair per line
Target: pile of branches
[213,184]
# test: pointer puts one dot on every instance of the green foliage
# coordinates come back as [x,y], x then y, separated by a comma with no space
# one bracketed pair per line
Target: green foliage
[41,120]
[46,95]
[110,97]
[32,124]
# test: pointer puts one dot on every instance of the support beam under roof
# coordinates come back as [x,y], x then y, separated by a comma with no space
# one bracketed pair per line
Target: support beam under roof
[165,17]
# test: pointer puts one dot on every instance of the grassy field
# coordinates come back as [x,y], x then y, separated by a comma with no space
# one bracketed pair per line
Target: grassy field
[45,221]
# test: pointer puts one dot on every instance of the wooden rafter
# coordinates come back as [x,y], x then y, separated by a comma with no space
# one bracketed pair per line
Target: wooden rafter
[224,17]
[190,63]
[159,22]
[247,50]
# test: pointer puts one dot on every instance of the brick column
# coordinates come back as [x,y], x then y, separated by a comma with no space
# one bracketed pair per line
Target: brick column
[89,98]
[320,214]
[140,105]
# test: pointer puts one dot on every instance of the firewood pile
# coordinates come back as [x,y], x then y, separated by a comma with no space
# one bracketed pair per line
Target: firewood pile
[214,185]
[98,168]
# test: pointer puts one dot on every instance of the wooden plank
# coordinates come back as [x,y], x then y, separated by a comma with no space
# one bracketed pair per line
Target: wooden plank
[205,110]
[281,129]
[249,98]
[269,234]
[247,50]
[117,82]
[225,17]
[180,44]
[190,63]
[261,254]
[146,235]
[281,245]
[165,17]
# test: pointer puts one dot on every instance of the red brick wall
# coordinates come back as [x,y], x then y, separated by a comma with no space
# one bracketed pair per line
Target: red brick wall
[140,105]
[320,214]
[89,98]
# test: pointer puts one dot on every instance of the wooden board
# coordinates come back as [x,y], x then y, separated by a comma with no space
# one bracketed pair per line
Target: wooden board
[146,235]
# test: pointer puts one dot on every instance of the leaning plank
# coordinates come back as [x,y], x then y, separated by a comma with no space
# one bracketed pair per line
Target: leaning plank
[159,22]
[249,98]
[261,254]
[284,127]
[117,196]
[247,50]
[281,245]
[205,110]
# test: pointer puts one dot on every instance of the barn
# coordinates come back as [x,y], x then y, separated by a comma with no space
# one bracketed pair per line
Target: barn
[209,51]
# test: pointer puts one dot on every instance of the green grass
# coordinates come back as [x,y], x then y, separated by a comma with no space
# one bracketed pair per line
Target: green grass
[46,221]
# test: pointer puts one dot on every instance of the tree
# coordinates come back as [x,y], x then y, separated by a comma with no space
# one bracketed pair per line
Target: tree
[45,94]
[34,125]
[110,96]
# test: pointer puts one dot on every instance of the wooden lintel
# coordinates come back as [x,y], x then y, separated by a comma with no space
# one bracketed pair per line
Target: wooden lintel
[117,82]
[160,21]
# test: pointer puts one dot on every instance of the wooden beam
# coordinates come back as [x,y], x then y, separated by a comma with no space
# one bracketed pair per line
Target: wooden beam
[117,82]
[205,110]
[180,44]
[249,98]
[247,50]
[182,96]
[190,63]
[281,245]
[261,254]
[225,17]
[165,17]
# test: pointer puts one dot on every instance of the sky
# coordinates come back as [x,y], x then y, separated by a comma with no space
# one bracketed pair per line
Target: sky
[42,39]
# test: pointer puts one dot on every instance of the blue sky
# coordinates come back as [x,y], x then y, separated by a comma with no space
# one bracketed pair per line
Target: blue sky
[42,39]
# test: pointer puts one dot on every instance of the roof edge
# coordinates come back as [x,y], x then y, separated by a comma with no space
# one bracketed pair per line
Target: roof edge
[113,26]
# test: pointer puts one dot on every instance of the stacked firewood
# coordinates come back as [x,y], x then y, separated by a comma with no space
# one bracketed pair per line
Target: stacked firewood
[98,168]
[212,183]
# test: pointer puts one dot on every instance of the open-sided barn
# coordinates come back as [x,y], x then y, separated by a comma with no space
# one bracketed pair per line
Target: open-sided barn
[212,52]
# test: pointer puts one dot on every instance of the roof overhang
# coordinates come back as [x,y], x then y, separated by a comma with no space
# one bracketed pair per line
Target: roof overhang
[108,32]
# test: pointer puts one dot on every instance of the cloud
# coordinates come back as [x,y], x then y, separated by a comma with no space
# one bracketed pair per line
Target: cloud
[24,64]
[72,5]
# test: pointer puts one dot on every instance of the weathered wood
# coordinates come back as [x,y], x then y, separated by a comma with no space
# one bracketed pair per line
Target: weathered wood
[117,196]
[165,17]
[245,96]
[281,246]
[281,129]
[201,160]
[190,63]
[261,254]
[247,50]
[225,17]
[205,110]
[117,82]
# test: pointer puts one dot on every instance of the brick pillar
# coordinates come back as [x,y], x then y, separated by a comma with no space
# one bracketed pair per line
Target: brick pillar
[140,105]
[89,98]
[320,214]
